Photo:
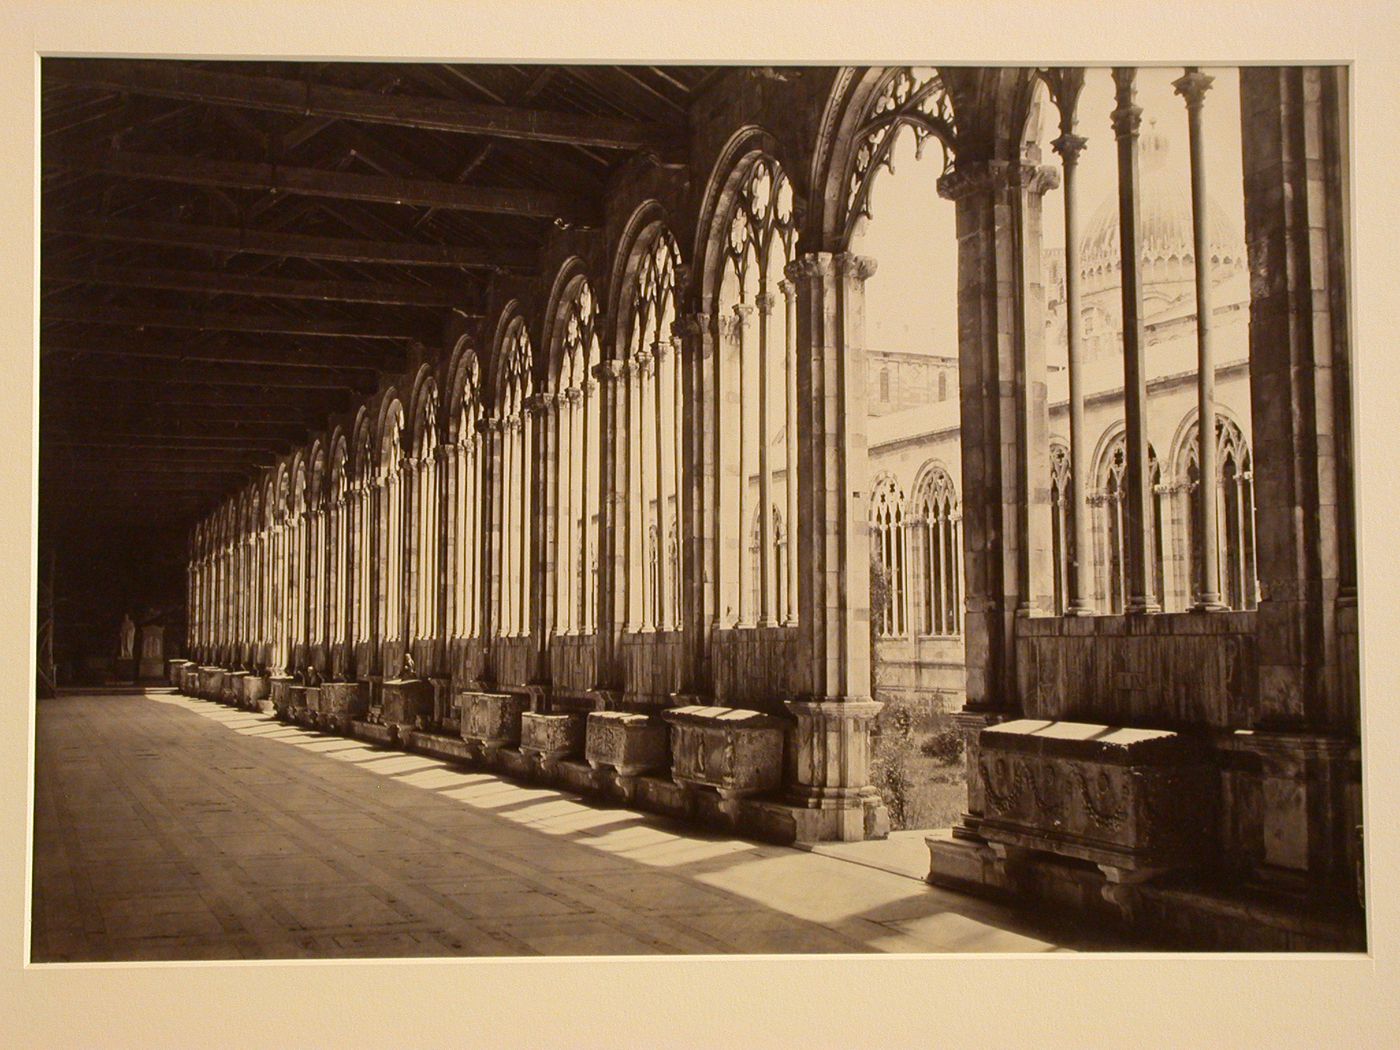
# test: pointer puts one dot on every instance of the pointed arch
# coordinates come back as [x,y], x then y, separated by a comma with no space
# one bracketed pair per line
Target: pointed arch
[647,286]
[890,609]
[935,519]
[468,484]
[513,405]
[574,350]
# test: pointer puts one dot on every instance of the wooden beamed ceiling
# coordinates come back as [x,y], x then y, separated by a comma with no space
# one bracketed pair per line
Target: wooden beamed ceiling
[231,252]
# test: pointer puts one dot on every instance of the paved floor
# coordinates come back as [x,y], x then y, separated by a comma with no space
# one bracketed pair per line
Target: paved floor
[169,828]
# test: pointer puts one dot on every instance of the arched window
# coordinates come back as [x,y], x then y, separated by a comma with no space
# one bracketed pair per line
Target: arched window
[296,561]
[939,538]
[579,465]
[1234,538]
[468,462]
[758,378]
[267,566]
[391,591]
[316,549]
[887,542]
[278,618]
[515,391]
[425,517]
[1061,523]
[654,448]
[364,536]
[337,510]
[1112,526]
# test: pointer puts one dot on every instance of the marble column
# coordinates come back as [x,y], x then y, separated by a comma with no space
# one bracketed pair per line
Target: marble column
[743,319]
[1137,504]
[1066,88]
[1193,87]
[829,756]
[790,447]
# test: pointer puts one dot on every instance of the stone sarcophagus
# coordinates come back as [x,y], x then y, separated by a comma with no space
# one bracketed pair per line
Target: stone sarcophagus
[491,720]
[736,752]
[296,702]
[551,737]
[176,672]
[233,686]
[342,703]
[279,686]
[313,705]
[1135,802]
[211,682]
[189,679]
[407,703]
[627,742]
[253,694]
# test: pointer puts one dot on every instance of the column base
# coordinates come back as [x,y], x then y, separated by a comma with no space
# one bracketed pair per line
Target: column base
[830,767]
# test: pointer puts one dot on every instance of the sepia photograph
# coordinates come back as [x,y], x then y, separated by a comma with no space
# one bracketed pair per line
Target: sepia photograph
[609,507]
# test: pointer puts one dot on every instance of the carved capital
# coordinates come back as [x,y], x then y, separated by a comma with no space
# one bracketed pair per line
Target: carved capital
[764,301]
[743,314]
[1069,147]
[1193,87]
[787,288]
[690,326]
[1036,178]
[536,404]
[573,395]
[1126,117]
[608,370]
[861,267]
[810,266]
[660,349]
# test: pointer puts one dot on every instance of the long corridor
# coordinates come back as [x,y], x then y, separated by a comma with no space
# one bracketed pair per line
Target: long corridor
[171,828]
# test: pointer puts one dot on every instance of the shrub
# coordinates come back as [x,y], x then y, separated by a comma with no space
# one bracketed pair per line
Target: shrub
[944,746]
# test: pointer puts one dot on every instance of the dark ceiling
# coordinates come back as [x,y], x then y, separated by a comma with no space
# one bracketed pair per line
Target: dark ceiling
[232,250]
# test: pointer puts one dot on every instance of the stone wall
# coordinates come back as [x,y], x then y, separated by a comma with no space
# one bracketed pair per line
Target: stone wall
[755,667]
[1174,669]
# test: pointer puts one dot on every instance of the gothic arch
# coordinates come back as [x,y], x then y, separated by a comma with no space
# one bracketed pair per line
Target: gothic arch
[648,221]
[463,387]
[731,168]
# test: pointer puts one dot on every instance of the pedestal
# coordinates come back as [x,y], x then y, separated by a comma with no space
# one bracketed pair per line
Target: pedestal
[831,766]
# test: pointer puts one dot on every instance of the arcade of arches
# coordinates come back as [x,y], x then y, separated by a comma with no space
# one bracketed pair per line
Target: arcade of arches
[622,533]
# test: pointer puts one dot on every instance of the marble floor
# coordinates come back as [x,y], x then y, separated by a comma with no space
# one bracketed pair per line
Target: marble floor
[171,828]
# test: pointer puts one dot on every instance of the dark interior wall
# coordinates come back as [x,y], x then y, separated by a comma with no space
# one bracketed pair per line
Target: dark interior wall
[101,574]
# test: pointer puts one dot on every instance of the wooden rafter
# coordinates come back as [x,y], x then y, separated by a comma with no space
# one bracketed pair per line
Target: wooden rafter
[307,99]
[261,242]
[316,182]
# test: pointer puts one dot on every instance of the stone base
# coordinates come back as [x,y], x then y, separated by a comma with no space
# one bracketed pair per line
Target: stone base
[385,736]
[1183,913]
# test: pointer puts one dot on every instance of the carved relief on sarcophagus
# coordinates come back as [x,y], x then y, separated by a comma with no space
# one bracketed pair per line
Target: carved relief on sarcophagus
[1132,800]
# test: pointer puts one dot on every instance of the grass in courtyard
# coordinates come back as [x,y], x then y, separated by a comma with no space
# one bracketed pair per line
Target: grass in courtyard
[919,769]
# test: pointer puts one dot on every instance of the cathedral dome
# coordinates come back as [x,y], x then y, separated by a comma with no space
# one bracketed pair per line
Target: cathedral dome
[1167,242]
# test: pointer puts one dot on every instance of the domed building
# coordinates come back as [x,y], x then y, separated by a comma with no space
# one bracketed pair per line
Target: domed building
[915,448]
